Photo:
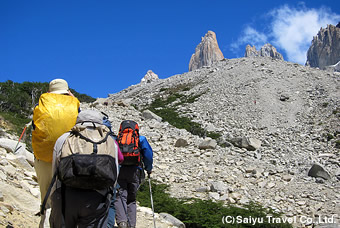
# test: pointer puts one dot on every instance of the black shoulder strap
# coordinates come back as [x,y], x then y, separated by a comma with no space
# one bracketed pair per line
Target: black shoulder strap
[90,140]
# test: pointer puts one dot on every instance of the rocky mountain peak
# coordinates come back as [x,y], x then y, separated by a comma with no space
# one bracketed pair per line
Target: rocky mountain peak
[325,47]
[206,53]
[266,50]
[149,77]
[251,51]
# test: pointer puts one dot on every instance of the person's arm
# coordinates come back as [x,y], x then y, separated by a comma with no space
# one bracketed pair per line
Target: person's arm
[120,155]
[57,151]
[147,153]
[70,93]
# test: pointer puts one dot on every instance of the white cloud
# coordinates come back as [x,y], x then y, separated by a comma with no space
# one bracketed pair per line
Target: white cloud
[291,30]
[249,36]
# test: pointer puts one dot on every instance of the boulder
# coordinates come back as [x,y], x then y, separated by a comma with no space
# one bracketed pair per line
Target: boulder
[319,172]
[247,143]
[208,144]
[218,186]
[172,220]
[181,143]
[20,162]
[9,145]
[147,114]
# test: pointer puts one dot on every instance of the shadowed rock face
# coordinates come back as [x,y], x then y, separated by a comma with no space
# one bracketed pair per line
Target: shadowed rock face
[266,50]
[206,53]
[325,48]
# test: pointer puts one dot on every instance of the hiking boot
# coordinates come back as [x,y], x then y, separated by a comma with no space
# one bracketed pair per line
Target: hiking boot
[123,225]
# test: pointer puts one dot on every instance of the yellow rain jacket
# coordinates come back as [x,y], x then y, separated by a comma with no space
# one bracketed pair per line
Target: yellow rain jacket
[53,116]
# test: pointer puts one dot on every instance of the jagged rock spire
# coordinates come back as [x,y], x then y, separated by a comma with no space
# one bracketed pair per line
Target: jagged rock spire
[206,53]
[325,47]
[266,50]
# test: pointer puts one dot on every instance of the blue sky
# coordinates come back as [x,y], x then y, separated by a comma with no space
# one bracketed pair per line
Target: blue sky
[101,47]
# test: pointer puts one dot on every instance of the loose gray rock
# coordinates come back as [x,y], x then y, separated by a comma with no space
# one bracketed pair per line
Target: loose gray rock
[214,195]
[218,186]
[181,143]
[208,144]
[247,143]
[173,220]
[318,171]
[147,114]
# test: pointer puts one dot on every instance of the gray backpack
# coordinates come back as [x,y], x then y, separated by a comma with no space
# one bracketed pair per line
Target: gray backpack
[88,158]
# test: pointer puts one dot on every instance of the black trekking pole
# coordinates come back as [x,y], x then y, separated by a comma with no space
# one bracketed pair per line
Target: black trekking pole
[153,211]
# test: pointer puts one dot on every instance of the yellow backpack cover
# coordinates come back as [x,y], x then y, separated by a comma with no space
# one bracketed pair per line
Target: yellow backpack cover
[53,116]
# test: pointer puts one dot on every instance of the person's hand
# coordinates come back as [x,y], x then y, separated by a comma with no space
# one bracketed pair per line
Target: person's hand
[70,93]
[149,172]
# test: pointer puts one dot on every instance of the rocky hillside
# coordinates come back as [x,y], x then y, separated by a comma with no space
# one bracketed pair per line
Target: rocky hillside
[19,190]
[278,124]
[206,53]
[277,119]
[325,48]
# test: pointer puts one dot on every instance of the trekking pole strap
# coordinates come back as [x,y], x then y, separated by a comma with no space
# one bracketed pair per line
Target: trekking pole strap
[43,205]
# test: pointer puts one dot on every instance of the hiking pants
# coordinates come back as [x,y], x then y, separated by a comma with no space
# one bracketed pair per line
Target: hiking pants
[112,211]
[82,209]
[125,203]
[44,175]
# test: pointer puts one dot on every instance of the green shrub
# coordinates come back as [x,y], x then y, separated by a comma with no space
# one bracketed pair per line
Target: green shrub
[201,213]
[17,120]
[213,135]
[19,99]
[165,109]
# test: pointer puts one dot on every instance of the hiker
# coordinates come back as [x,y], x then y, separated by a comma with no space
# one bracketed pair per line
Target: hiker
[112,210]
[137,154]
[55,114]
[80,202]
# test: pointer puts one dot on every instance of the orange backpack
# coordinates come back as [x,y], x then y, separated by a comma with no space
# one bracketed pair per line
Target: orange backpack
[128,141]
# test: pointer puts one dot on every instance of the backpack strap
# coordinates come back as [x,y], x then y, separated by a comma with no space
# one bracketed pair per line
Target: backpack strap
[95,147]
